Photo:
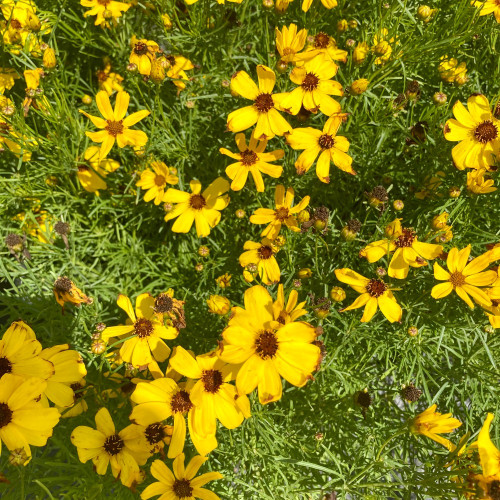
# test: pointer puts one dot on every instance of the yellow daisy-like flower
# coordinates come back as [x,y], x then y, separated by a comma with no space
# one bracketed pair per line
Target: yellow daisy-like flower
[329,4]
[104,10]
[267,350]
[488,7]
[143,54]
[104,446]
[220,2]
[408,251]
[92,174]
[218,305]
[114,124]
[66,291]
[285,312]
[252,160]
[182,483]
[264,111]
[177,67]
[431,424]
[289,42]
[477,132]
[478,182]
[109,81]
[316,86]
[284,213]
[79,404]
[147,332]
[465,278]
[154,182]
[326,143]
[201,208]
[374,294]
[324,45]
[451,71]
[8,77]
[262,256]
[155,436]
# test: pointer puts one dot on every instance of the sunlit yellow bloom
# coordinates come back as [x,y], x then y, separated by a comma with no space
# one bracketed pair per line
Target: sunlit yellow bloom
[154,182]
[79,404]
[38,224]
[289,42]
[224,280]
[360,52]
[488,7]
[262,255]
[190,2]
[201,208]
[478,184]
[177,67]
[108,80]
[451,71]
[104,10]
[329,4]
[7,79]
[374,294]
[143,53]
[382,47]
[322,45]
[218,305]
[285,312]
[92,173]
[155,436]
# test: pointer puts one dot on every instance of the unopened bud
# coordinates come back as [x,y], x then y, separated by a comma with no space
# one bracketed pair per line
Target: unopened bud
[86,99]
[439,98]
[398,205]
[337,294]
[304,273]
[413,331]
[454,192]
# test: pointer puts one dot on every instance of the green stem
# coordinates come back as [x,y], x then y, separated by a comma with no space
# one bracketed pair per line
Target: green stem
[387,441]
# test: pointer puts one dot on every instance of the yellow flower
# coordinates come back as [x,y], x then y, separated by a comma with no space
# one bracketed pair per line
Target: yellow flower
[329,4]
[408,251]
[262,255]
[104,10]
[358,87]
[292,310]
[7,79]
[155,436]
[143,53]
[267,350]
[168,308]
[183,484]
[66,291]
[147,332]
[115,126]
[104,446]
[316,86]
[264,111]
[451,71]
[324,45]
[109,81]
[20,145]
[201,208]
[326,143]
[464,278]
[178,65]
[488,7]
[218,305]
[360,52]
[284,213]
[79,404]
[92,174]
[289,42]
[477,132]
[156,181]
[224,281]
[431,424]
[382,47]
[23,420]
[253,160]
[477,184]
[374,293]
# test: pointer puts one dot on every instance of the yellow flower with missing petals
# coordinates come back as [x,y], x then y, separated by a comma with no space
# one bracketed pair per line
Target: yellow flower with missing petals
[264,111]
[465,278]
[109,81]
[284,213]
[478,182]
[287,311]
[289,42]
[66,291]
[374,294]
[182,483]
[7,79]
[202,209]
[218,305]
[262,256]
[92,173]
[104,10]
[325,45]
[326,143]
[154,182]
[488,7]
[114,124]
[477,132]
[451,71]
[431,424]
[178,65]
[143,54]
[329,4]
[252,160]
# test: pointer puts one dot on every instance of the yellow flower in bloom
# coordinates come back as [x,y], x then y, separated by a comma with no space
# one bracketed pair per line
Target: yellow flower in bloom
[324,45]
[115,126]
[289,42]
[326,143]
[316,86]
[104,10]
[79,404]
[182,483]
[224,281]
[147,332]
[488,7]
[143,54]
[374,294]
[477,184]
[252,160]
[382,47]
[155,436]
[431,424]
[220,2]
[284,213]
[66,291]
[91,175]
[264,110]
[154,182]
[262,256]
[104,446]
[38,224]
[178,65]
[109,81]
[451,71]
[464,278]
[201,208]
[7,79]
[218,305]
[329,4]
[477,132]
[408,251]
[23,420]
[285,313]
[267,350]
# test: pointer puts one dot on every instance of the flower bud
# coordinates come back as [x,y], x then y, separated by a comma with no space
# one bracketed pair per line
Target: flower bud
[18,457]
[439,221]
[413,331]
[132,68]
[157,74]
[424,12]
[86,99]
[198,267]
[350,231]
[304,273]
[342,25]
[398,205]
[337,294]
[240,213]
[268,4]
[218,305]
[353,24]
[454,192]
[98,346]
[167,22]
[203,251]
[360,52]
[439,98]
[359,86]
[281,66]
[303,216]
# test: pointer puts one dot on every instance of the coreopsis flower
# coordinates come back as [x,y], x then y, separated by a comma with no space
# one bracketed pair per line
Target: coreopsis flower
[329,4]
[315,88]
[8,77]
[182,483]
[143,53]
[322,45]
[220,2]
[489,459]
[283,214]
[488,7]
[23,420]
[224,280]
[262,256]
[114,125]
[289,42]
[92,173]
[252,160]
[264,111]
[218,305]
[478,181]
[464,278]
[451,71]
[155,181]
[408,251]
[285,312]
[104,446]
[108,80]
[382,47]
[431,424]
[374,294]
[267,349]
[155,436]
[147,332]
[477,131]
[177,67]
[202,208]
[361,50]
[104,10]
[66,291]
[79,405]
[326,143]
[168,308]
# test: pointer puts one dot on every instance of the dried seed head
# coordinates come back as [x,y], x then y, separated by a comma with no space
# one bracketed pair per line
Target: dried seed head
[62,228]
[410,393]
[63,284]
[363,399]
[14,242]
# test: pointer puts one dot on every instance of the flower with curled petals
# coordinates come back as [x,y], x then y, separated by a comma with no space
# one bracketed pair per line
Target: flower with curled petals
[154,181]
[143,54]
[287,311]
[104,10]
[323,44]
[289,42]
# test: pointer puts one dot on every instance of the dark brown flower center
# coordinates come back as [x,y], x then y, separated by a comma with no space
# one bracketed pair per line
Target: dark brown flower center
[281,213]
[114,128]
[114,444]
[182,488]
[181,403]
[170,59]
[310,82]
[154,433]
[486,132]
[326,141]
[494,486]
[212,380]
[249,157]
[266,344]
[141,48]
[143,328]
[63,284]
[197,201]
[77,390]
[160,180]
[265,252]
[5,414]
[5,366]
[163,303]
[376,287]
[457,279]
[406,239]
[14,23]
[321,41]
[264,102]
[102,76]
